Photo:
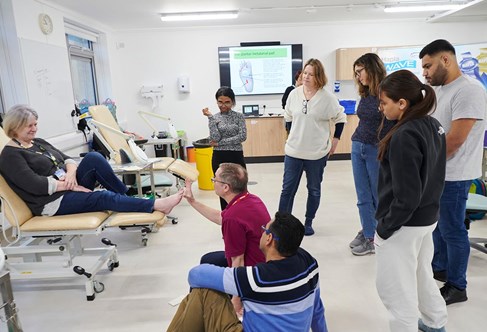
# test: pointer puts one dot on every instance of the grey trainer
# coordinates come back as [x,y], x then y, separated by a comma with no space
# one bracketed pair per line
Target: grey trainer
[367,247]
[424,328]
[359,239]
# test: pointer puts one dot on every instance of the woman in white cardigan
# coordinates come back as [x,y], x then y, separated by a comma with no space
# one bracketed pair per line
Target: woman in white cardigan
[311,108]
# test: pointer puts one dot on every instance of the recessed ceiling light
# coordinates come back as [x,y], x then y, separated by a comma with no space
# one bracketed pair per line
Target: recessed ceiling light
[199,16]
[425,8]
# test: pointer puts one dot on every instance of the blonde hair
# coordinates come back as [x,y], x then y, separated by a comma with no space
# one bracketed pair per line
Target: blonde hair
[16,118]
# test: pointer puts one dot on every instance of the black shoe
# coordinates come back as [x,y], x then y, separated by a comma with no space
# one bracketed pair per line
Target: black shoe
[308,230]
[443,289]
[451,294]
[440,275]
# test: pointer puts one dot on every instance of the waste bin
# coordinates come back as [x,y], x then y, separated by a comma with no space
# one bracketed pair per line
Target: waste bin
[203,153]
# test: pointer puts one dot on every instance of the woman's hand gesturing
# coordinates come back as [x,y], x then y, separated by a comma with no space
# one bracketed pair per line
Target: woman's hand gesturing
[206,112]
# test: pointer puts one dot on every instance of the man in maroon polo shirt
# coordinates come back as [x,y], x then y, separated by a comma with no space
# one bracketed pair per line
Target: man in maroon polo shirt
[241,220]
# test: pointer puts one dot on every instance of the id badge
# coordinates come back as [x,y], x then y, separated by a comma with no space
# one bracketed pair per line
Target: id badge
[59,174]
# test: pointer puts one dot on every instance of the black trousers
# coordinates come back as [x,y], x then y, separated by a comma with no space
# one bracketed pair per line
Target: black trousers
[220,157]
[216,258]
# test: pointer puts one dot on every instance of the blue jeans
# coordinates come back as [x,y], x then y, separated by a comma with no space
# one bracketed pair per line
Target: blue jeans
[365,166]
[450,237]
[293,170]
[94,168]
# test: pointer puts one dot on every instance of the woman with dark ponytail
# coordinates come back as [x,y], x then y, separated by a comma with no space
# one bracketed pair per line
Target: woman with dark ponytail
[411,179]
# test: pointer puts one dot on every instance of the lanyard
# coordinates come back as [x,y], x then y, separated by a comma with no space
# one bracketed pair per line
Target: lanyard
[239,199]
[43,152]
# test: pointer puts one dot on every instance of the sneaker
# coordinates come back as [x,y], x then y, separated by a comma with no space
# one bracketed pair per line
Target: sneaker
[425,328]
[451,294]
[367,247]
[308,230]
[359,239]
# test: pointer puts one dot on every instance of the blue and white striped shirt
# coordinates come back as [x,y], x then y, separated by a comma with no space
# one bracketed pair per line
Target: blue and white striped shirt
[282,295]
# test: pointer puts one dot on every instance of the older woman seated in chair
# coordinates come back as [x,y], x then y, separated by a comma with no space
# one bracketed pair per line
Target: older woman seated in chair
[51,183]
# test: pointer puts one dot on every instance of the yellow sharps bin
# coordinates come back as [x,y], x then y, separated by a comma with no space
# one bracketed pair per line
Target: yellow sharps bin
[203,153]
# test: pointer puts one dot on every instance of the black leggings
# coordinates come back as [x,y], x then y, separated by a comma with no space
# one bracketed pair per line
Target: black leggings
[220,157]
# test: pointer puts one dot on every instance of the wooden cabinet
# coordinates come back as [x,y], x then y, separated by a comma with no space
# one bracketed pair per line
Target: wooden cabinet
[345,57]
[266,137]
[345,144]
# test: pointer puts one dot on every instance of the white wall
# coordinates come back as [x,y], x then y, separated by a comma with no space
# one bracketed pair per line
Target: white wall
[19,26]
[155,57]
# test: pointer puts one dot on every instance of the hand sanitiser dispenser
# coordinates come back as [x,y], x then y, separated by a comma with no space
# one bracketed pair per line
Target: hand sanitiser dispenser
[183,84]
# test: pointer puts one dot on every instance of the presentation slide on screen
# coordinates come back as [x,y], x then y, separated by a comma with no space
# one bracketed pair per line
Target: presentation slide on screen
[260,70]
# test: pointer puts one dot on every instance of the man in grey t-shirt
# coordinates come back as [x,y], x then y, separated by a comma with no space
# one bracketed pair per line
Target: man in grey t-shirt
[461,109]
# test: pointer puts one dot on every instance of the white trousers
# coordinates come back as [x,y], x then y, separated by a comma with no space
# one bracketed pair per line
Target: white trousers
[405,281]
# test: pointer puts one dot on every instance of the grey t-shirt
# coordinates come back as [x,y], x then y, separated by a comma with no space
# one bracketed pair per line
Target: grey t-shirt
[464,98]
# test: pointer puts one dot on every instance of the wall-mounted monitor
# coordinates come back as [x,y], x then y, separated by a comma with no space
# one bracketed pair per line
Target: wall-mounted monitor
[259,70]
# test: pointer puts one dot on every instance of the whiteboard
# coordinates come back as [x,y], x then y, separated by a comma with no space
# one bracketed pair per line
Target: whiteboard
[49,86]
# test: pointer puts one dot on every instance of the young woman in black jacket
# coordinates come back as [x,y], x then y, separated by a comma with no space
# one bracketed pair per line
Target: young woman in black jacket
[411,179]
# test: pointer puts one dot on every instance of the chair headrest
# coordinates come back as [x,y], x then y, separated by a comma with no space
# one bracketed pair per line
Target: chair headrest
[101,114]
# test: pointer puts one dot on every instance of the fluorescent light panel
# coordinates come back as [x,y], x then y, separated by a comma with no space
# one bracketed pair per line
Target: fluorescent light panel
[425,8]
[199,16]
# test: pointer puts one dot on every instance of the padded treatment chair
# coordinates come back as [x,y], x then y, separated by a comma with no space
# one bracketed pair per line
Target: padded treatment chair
[36,237]
[476,203]
[146,222]
[116,142]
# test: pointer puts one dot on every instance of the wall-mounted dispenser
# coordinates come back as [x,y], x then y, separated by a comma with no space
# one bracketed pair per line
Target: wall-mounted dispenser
[153,92]
[183,84]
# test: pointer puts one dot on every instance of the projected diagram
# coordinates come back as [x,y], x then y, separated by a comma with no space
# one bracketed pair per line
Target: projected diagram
[262,70]
[246,75]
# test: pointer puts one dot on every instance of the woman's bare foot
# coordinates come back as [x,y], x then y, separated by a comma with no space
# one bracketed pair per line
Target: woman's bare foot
[166,204]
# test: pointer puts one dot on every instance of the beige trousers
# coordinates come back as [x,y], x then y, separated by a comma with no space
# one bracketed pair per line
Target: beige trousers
[205,310]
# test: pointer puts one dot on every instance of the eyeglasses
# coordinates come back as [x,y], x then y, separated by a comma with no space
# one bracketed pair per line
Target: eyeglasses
[305,106]
[269,232]
[358,72]
[225,103]
[215,180]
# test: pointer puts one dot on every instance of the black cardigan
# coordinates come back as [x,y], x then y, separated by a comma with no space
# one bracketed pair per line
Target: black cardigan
[26,172]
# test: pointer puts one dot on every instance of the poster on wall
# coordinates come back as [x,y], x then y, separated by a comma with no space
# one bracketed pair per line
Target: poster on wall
[472,59]
[402,58]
